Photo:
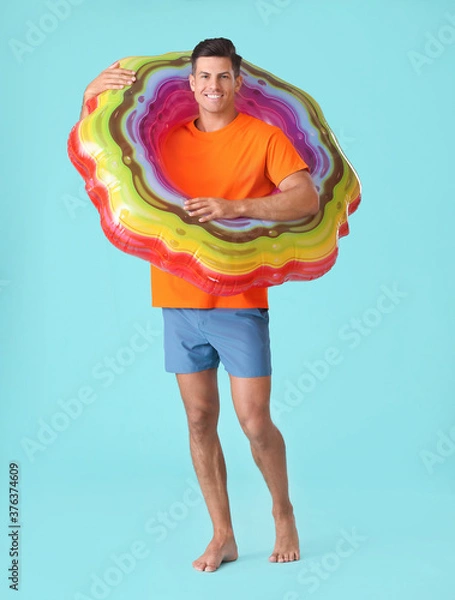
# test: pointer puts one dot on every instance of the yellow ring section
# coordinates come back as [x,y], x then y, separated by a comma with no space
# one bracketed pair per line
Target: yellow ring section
[136,215]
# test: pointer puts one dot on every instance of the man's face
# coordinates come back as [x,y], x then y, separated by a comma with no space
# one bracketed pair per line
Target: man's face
[214,84]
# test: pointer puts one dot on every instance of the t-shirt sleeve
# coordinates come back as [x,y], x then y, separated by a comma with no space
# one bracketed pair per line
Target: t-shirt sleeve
[282,158]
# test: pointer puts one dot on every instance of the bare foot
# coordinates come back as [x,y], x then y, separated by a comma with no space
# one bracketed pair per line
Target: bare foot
[218,551]
[287,540]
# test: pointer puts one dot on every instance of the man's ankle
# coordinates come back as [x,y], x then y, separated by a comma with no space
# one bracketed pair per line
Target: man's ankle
[283,512]
[223,533]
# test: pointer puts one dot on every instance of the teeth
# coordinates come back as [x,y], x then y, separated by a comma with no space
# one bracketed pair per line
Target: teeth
[213,96]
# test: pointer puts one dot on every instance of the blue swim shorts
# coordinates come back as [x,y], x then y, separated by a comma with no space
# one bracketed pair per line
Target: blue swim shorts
[196,339]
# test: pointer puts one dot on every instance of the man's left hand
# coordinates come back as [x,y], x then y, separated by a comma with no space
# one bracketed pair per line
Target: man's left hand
[208,209]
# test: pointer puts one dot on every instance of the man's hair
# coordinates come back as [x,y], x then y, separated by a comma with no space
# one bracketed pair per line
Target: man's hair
[217,47]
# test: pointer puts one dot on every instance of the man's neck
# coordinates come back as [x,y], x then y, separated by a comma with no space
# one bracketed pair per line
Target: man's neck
[214,122]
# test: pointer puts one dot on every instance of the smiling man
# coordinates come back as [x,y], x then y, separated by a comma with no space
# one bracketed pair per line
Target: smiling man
[228,164]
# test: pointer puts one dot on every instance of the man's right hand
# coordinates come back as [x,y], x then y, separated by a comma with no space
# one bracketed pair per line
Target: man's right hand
[112,78]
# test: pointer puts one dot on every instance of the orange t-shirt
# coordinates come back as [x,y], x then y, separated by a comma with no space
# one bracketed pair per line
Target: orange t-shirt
[246,159]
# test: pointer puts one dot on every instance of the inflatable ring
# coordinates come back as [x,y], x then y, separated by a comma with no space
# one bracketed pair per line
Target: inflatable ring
[116,149]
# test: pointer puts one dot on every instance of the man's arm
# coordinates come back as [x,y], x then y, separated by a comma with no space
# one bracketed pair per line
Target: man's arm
[112,78]
[298,198]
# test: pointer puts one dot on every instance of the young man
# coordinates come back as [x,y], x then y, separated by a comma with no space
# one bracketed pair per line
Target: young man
[228,164]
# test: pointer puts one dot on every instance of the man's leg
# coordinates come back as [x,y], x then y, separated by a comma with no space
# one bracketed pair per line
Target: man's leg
[251,396]
[199,393]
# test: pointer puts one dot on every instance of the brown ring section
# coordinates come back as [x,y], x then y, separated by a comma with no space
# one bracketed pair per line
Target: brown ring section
[301,226]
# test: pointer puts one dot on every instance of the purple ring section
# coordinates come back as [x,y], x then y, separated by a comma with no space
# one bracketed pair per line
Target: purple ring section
[168,101]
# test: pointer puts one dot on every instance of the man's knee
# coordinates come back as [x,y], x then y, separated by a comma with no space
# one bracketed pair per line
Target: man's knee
[202,422]
[257,427]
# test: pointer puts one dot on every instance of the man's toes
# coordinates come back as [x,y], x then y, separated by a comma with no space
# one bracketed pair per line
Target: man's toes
[199,565]
[210,568]
[284,557]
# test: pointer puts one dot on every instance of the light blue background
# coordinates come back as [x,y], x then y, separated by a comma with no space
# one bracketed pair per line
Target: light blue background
[69,300]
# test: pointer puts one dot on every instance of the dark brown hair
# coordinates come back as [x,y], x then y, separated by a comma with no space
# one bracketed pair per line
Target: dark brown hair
[217,47]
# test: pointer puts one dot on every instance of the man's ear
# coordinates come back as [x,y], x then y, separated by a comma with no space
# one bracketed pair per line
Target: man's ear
[191,80]
[238,83]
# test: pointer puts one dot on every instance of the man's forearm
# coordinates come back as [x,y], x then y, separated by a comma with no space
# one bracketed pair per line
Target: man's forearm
[288,205]
[297,198]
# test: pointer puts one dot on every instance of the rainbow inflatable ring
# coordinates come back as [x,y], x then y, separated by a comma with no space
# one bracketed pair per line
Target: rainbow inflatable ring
[116,149]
